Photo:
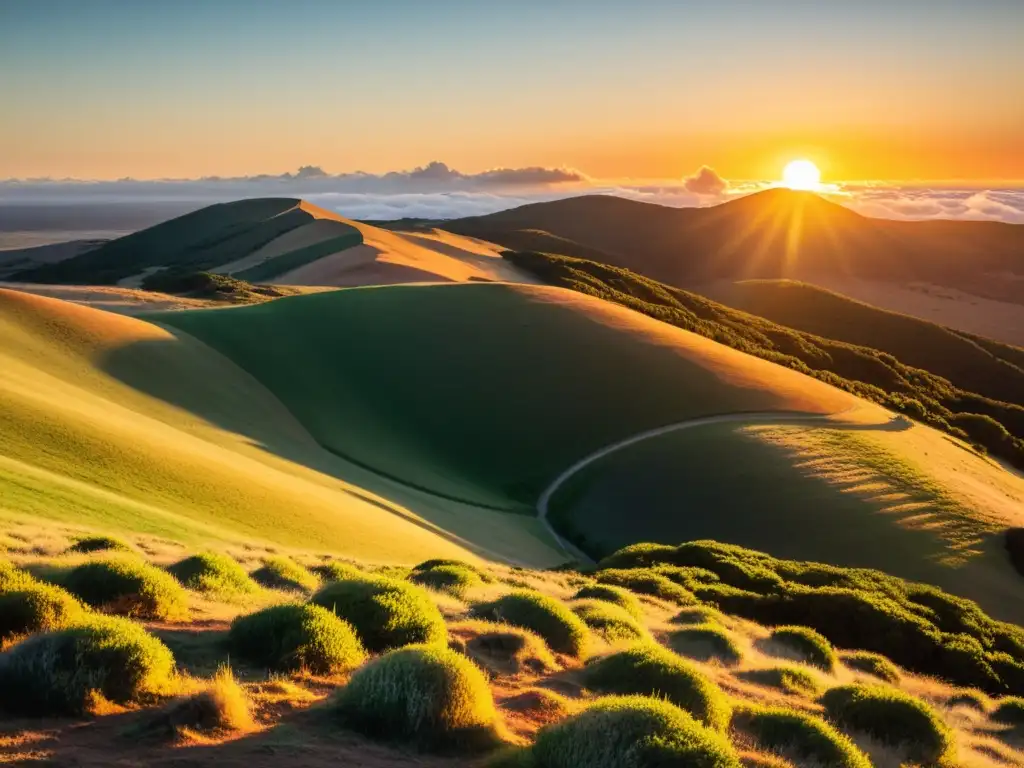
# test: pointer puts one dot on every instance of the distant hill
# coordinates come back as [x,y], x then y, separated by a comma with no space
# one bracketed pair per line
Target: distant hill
[769,234]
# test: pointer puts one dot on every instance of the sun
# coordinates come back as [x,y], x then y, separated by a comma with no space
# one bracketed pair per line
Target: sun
[802,174]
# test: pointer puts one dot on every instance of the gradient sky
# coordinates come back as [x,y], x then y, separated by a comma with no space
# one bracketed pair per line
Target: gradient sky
[868,89]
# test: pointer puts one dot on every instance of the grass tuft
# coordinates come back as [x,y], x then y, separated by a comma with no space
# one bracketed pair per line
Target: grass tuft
[1010,711]
[789,679]
[651,670]
[214,574]
[455,580]
[221,707]
[616,595]
[91,544]
[706,642]
[12,577]
[504,649]
[427,695]
[38,608]
[807,646]
[293,637]
[441,562]
[128,587]
[645,581]
[285,573]
[562,630]
[386,613]
[874,664]
[611,622]
[335,570]
[799,736]
[698,614]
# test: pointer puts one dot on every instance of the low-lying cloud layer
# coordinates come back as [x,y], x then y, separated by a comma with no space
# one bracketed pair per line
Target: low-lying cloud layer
[437,191]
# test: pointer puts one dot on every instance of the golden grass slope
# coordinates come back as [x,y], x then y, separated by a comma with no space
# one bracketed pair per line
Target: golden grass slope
[198,458]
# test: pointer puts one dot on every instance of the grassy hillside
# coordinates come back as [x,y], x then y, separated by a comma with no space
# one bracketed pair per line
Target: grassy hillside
[485,392]
[114,423]
[203,240]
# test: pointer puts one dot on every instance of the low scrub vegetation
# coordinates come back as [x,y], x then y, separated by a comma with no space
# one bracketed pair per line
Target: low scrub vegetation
[562,630]
[612,623]
[294,637]
[455,580]
[91,544]
[706,642]
[798,736]
[386,613]
[209,285]
[893,718]
[650,670]
[285,573]
[56,673]
[806,645]
[616,595]
[789,679]
[37,608]
[645,581]
[12,577]
[220,708]
[213,573]
[503,649]
[874,664]
[1009,711]
[335,570]
[427,695]
[128,587]
[440,562]
[631,731]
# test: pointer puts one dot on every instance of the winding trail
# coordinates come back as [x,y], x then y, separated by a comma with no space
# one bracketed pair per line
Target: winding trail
[777,417]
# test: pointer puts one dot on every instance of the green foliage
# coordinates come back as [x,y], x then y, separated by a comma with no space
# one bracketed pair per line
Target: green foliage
[55,673]
[285,573]
[634,731]
[505,649]
[386,613]
[129,587]
[698,614]
[291,637]
[336,570]
[612,594]
[647,582]
[37,608]
[612,623]
[214,573]
[12,578]
[562,630]
[892,717]
[786,678]
[650,670]
[706,642]
[969,698]
[984,403]
[456,580]
[808,645]
[1009,710]
[208,285]
[99,544]
[428,695]
[799,735]
[873,664]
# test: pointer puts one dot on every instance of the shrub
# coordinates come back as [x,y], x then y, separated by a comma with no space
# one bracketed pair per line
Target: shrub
[892,717]
[612,594]
[37,608]
[871,663]
[213,573]
[562,630]
[609,621]
[1009,710]
[453,579]
[336,571]
[650,670]
[799,735]
[789,679]
[635,731]
[285,573]
[222,706]
[639,555]
[504,649]
[290,637]
[129,587]
[99,544]
[386,613]
[440,562]
[14,578]
[698,614]
[808,645]
[55,673]
[425,694]
[706,642]
[647,582]
[969,698]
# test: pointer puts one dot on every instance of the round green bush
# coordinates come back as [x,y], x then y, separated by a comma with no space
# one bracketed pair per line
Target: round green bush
[336,571]
[706,642]
[789,679]
[892,717]
[631,732]
[874,664]
[213,573]
[37,608]
[12,577]
[650,670]
[698,614]
[645,581]
[290,637]
[612,594]
[285,573]
[55,673]
[428,695]
[99,544]
[562,630]
[386,613]
[808,645]
[1009,710]
[609,621]
[504,649]
[440,562]
[799,735]
[453,579]
[969,698]
[129,587]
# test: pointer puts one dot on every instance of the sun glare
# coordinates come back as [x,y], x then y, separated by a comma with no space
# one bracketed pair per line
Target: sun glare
[802,174]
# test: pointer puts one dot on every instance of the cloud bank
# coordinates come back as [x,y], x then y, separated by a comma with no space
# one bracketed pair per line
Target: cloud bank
[437,191]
